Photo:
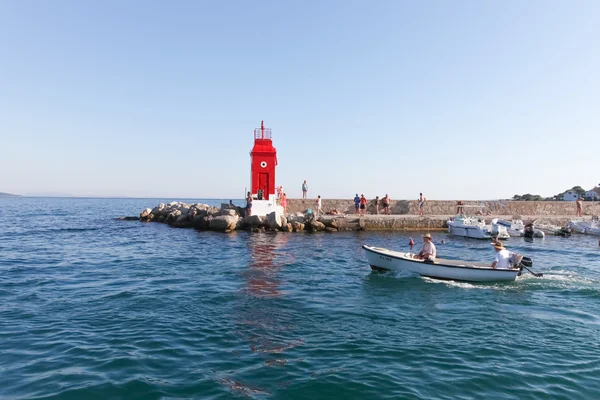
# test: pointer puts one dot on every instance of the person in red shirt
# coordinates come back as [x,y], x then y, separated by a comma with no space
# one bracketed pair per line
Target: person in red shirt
[363,204]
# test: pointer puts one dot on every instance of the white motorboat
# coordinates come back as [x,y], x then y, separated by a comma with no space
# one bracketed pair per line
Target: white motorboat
[594,228]
[476,228]
[382,259]
[550,229]
[579,226]
[517,228]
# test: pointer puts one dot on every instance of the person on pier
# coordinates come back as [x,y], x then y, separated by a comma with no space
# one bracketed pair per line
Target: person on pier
[363,204]
[386,204]
[304,189]
[284,202]
[422,201]
[249,204]
[318,205]
[579,204]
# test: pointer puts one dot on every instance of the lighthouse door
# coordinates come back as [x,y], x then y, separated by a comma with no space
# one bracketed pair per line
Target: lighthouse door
[263,184]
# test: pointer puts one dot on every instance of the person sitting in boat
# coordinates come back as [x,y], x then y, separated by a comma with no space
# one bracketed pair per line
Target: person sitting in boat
[428,251]
[503,256]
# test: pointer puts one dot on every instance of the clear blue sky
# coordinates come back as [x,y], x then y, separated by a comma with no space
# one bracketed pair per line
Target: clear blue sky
[455,99]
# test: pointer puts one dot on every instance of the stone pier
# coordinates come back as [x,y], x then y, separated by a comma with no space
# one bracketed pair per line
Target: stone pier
[338,215]
[446,208]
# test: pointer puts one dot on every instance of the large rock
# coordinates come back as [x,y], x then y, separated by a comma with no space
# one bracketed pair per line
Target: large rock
[329,222]
[201,222]
[214,211]
[183,221]
[223,223]
[229,211]
[287,228]
[317,226]
[172,216]
[295,217]
[297,226]
[273,220]
[254,221]
[145,213]
[159,210]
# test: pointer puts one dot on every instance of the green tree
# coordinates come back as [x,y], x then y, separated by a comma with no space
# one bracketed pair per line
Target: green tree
[579,190]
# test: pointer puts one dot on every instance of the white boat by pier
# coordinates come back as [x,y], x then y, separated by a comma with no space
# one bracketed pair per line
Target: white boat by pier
[586,227]
[476,228]
[518,228]
[550,229]
[381,259]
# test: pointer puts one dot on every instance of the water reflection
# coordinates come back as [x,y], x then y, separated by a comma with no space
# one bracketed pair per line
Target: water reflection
[265,322]
[265,263]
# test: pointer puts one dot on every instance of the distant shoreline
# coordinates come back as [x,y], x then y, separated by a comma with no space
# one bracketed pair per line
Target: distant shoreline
[9,195]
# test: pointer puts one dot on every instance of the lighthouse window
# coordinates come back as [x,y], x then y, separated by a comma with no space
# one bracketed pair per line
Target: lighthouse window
[263,164]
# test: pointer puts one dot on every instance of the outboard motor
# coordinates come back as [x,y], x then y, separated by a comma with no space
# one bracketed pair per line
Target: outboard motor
[565,231]
[527,262]
[528,231]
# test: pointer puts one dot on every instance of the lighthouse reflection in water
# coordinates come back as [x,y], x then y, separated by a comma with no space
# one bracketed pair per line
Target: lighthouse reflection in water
[262,275]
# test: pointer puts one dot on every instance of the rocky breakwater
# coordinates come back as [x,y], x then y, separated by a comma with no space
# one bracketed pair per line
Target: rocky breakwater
[230,218]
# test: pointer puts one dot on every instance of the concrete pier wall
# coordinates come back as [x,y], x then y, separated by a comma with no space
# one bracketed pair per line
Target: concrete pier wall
[448,207]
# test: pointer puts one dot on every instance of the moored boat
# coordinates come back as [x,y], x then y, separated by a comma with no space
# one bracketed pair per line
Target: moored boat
[381,259]
[579,226]
[518,228]
[476,228]
[554,230]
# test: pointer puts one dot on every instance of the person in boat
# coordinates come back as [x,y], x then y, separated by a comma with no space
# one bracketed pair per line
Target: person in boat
[428,251]
[503,256]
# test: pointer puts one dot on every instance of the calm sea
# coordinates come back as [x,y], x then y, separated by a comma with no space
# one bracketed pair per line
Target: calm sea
[96,308]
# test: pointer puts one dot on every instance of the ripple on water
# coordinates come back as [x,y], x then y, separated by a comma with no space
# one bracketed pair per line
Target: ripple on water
[119,309]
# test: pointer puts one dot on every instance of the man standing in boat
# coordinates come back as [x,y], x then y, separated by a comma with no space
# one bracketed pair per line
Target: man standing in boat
[428,251]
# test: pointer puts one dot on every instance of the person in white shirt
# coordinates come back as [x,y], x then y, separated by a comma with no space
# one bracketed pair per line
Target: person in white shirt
[503,256]
[428,251]
[318,205]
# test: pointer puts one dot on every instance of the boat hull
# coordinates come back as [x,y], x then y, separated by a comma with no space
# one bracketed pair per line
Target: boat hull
[384,259]
[475,232]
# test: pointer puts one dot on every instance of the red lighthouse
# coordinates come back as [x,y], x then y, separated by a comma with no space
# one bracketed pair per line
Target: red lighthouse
[264,161]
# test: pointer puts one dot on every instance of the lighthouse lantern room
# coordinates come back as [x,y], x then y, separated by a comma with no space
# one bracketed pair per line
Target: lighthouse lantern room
[264,161]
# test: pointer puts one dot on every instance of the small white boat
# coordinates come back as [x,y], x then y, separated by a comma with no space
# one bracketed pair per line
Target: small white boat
[517,228]
[476,228]
[594,228]
[550,229]
[579,226]
[382,259]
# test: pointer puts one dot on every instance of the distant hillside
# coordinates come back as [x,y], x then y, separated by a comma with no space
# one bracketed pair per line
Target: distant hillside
[8,195]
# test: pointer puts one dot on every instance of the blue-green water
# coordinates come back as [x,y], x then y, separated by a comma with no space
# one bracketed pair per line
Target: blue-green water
[96,308]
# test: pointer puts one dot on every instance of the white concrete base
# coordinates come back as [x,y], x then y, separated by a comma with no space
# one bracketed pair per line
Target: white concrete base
[265,207]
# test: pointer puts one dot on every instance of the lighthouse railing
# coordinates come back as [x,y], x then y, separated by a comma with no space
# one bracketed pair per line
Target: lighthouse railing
[258,133]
